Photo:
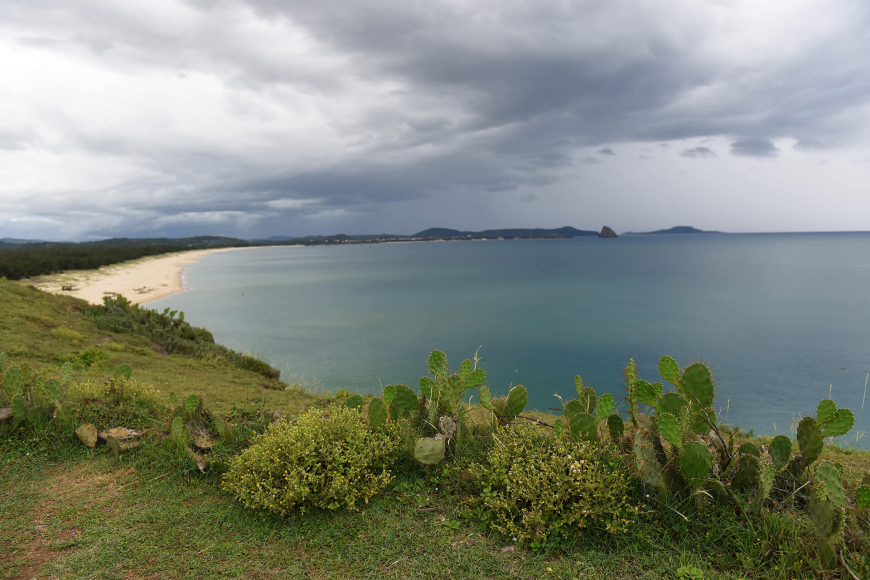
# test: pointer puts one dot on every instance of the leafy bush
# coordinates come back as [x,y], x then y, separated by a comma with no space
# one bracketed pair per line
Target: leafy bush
[324,460]
[67,334]
[172,333]
[537,487]
[117,403]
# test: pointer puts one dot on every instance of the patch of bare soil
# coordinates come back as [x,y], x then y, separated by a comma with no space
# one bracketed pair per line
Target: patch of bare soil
[49,538]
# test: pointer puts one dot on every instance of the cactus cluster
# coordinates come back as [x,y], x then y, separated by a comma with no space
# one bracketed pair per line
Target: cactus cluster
[34,398]
[584,415]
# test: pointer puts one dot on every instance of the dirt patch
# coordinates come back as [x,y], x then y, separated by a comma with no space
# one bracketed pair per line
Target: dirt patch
[49,539]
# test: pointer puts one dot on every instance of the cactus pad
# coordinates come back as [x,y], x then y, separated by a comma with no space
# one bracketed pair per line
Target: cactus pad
[671,403]
[437,363]
[19,408]
[405,398]
[839,424]
[377,413]
[669,370]
[646,393]
[669,427]
[447,426]
[584,426]
[572,409]
[465,368]
[190,403]
[52,390]
[809,437]
[13,382]
[747,472]
[475,379]
[829,475]
[606,403]
[389,394]
[427,387]
[826,411]
[558,428]
[429,450]
[516,401]
[485,397]
[780,451]
[616,426]
[354,402]
[749,449]
[588,399]
[65,372]
[695,462]
[645,458]
[862,498]
[698,382]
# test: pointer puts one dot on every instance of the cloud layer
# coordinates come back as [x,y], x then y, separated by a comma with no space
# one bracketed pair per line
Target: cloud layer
[267,117]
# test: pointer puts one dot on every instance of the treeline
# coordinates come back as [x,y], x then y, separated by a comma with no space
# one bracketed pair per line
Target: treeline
[16,264]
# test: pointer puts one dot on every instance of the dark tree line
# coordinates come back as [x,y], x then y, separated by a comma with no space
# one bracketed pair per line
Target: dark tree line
[27,262]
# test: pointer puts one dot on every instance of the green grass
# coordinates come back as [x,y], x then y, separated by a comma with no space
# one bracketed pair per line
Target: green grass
[72,512]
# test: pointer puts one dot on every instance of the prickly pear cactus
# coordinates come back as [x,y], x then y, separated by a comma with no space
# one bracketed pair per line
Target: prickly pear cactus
[429,450]
[780,451]
[616,426]
[669,370]
[389,394]
[405,398]
[809,436]
[437,363]
[672,403]
[377,413]
[766,474]
[826,411]
[697,383]
[465,368]
[584,426]
[485,397]
[669,428]
[517,400]
[862,498]
[13,382]
[585,396]
[354,402]
[646,393]
[696,461]
[630,384]
[828,474]
[427,387]
[572,409]
[747,472]
[447,426]
[19,409]
[606,403]
[750,449]
[645,458]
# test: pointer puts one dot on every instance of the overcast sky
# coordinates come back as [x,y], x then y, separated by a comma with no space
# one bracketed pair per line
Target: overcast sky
[284,117]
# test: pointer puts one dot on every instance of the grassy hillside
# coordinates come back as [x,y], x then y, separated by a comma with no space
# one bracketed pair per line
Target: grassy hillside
[151,512]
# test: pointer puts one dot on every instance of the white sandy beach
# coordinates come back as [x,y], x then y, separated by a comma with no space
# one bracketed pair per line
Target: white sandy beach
[139,281]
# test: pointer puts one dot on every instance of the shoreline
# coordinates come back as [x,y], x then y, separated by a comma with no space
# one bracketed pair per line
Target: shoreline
[139,281]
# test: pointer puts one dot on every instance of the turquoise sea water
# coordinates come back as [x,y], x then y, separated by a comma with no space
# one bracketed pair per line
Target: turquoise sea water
[781,318]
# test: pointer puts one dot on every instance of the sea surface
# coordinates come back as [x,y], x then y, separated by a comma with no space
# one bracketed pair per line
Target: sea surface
[782,319]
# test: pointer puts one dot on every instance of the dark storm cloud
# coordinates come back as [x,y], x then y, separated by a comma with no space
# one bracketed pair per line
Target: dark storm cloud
[698,152]
[754,148]
[358,105]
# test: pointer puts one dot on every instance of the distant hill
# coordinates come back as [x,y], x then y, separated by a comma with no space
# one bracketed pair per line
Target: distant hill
[447,234]
[676,230]
[18,241]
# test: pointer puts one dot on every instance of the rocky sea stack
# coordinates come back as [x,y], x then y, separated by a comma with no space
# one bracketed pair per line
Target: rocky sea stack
[606,232]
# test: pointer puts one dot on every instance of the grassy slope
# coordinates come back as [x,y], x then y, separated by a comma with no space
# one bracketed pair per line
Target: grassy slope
[84,515]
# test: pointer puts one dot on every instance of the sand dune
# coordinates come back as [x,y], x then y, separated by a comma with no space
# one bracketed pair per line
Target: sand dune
[139,280]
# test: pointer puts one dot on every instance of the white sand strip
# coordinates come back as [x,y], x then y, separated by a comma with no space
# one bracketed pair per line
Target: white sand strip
[139,281]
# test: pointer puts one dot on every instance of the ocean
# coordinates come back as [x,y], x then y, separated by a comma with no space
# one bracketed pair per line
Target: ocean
[782,319]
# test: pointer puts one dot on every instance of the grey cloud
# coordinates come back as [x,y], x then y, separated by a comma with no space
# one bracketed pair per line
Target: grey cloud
[696,152]
[426,98]
[754,148]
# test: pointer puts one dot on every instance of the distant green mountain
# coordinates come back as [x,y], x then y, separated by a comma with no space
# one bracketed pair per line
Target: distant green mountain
[680,230]
[448,234]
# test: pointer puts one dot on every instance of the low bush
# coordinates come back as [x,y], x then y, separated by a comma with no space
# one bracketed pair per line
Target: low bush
[537,487]
[326,460]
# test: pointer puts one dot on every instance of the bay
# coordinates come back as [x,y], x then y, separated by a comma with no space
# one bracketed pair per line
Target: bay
[782,319]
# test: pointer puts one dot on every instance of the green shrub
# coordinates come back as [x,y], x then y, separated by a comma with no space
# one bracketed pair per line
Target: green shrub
[66,334]
[538,487]
[324,460]
[117,403]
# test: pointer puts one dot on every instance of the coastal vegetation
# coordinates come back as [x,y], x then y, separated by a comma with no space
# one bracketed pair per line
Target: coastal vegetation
[129,452]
